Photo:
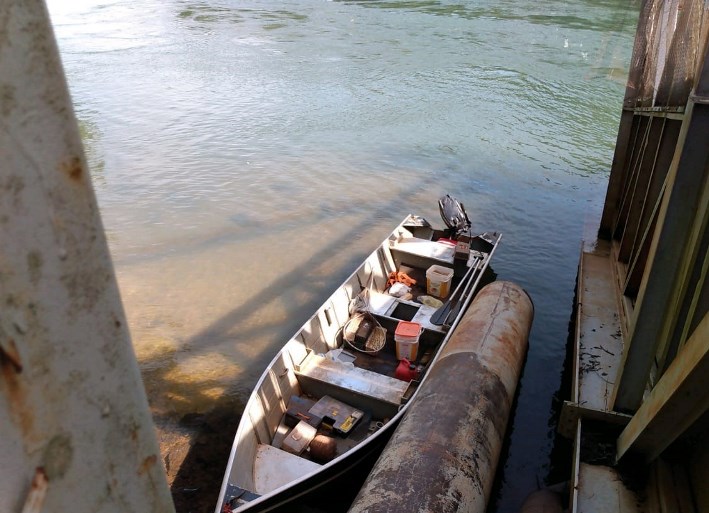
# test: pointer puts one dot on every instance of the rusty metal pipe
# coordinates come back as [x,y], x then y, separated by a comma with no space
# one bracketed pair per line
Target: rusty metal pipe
[442,457]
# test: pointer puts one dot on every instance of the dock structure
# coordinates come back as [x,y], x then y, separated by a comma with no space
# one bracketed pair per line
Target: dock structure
[639,408]
[75,425]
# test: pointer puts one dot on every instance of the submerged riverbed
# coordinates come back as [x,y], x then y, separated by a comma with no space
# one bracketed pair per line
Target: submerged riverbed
[247,155]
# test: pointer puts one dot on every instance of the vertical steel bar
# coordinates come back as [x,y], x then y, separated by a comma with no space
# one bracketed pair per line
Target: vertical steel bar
[645,123]
[639,197]
[666,150]
[76,429]
[618,176]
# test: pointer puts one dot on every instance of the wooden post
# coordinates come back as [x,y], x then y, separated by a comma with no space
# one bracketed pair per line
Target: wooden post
[75,430]
[677,401]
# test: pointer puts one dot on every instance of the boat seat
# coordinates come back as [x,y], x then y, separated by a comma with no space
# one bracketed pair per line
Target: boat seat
[384,305]
[274,468]
[426,250]
[361,388]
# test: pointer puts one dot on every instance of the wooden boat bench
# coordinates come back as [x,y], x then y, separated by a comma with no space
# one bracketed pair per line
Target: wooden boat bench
[361,388]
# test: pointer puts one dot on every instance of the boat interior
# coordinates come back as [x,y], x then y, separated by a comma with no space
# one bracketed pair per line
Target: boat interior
[324,392]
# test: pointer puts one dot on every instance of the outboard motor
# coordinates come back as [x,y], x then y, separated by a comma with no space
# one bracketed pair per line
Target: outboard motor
[454,215]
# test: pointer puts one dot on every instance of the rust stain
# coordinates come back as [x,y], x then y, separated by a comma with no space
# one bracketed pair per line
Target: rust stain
[10,356]
[73,168]
[450,440]
[147,464]
[16,396]
[38,492]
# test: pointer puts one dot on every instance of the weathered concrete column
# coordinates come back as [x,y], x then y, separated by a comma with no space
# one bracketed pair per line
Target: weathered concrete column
[75,430]
[442,457]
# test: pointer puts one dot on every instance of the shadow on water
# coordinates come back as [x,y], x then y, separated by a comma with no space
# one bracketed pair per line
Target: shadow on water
[560,457]
[195,447]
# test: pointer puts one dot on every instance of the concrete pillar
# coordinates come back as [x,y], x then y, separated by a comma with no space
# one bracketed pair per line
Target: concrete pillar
[75,430]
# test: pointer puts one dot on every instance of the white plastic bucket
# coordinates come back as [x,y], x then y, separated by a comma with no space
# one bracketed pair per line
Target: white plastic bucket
[407,340]
[438,280]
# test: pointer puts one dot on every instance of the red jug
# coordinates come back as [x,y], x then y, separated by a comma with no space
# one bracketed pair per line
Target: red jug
[406,371]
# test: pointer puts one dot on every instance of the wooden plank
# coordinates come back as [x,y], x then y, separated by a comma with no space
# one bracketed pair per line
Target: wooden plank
[671,486]
[633,172]
[690,284]
[677,401]
[650,209]
[699,474]
[636,270]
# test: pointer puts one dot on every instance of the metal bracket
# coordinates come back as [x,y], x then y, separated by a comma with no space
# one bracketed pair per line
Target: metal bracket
[572,412]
